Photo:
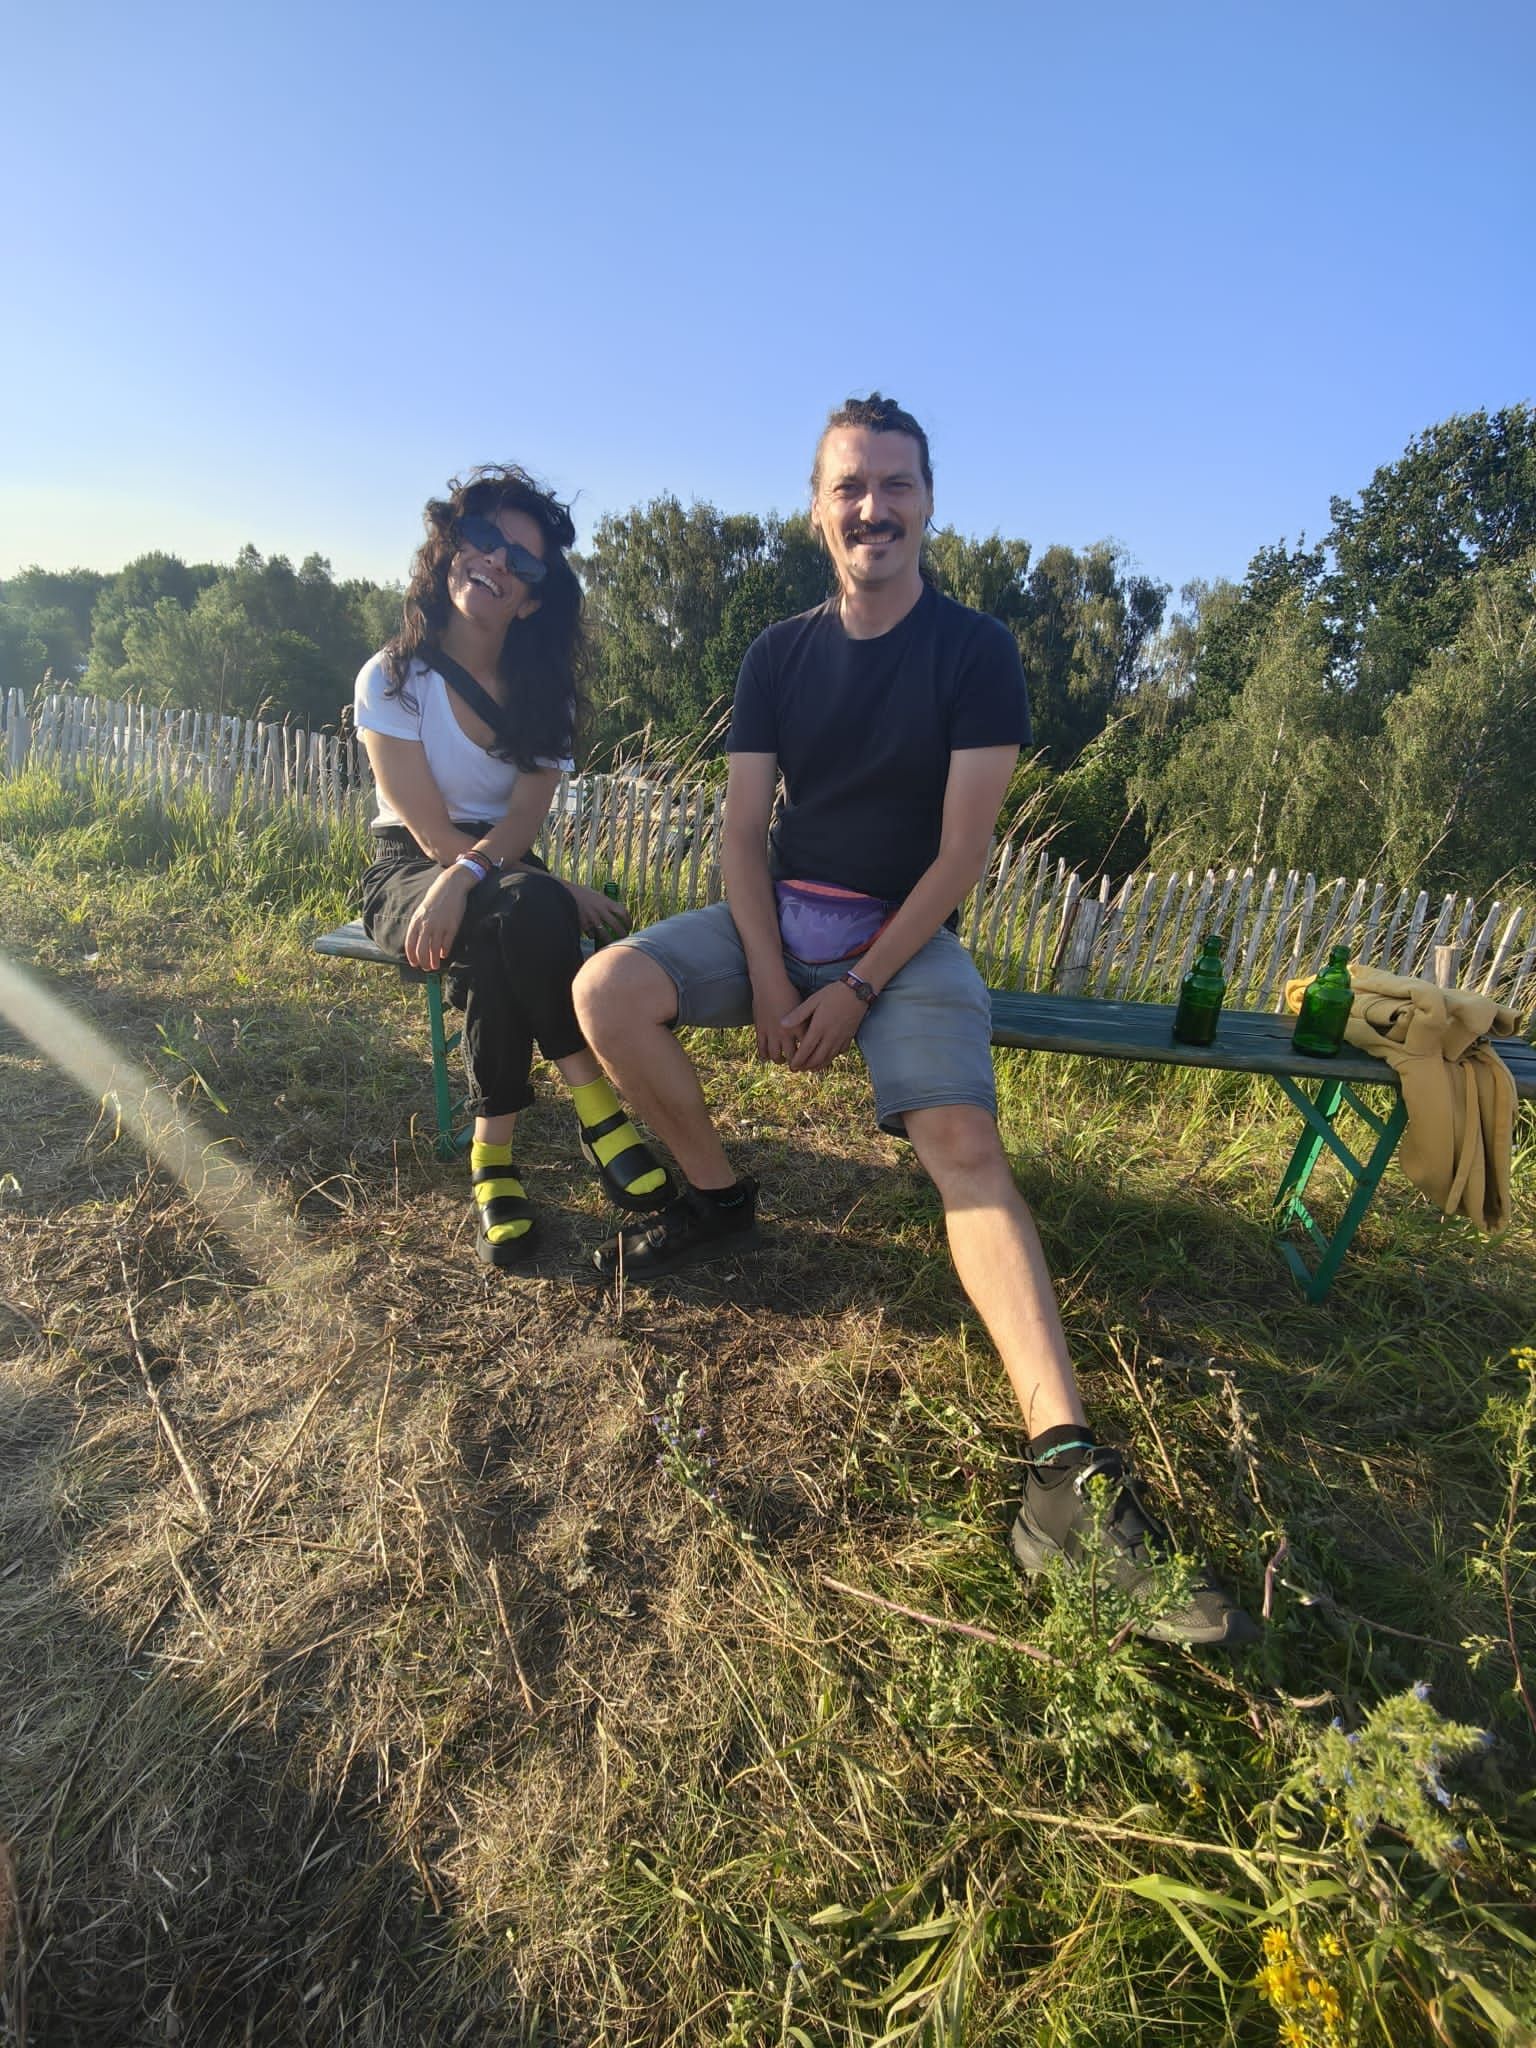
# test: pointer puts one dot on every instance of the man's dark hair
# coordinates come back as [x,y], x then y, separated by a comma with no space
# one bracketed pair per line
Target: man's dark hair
[881,416]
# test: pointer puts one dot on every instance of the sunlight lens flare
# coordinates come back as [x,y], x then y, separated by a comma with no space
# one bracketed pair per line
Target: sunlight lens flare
[263,1232]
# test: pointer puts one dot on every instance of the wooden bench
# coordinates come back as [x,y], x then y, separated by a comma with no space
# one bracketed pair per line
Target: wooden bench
[351,942]
[1247,1042]
[1251,1042]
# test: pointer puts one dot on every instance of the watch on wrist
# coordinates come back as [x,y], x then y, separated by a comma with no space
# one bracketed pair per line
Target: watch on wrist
[860,987]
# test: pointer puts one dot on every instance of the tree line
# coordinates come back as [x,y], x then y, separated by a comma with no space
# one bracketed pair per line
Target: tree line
[1361,705]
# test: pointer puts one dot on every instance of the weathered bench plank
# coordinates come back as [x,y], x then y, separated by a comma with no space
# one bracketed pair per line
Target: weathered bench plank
[1252,1042]
[351,942]
[1247,1041]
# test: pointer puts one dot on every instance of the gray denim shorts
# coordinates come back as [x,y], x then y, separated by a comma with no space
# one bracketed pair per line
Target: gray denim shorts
[927,1040]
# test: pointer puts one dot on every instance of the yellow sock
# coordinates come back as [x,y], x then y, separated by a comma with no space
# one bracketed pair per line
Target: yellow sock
[487,1190]
[595,1102]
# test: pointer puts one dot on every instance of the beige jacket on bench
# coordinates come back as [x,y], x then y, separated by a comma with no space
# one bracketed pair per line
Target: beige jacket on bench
[1458,1093]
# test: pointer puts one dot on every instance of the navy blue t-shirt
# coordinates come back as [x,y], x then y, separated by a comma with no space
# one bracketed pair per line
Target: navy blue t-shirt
[863,731]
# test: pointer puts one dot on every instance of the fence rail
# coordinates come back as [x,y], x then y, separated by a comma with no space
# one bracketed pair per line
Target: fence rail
[1033,923]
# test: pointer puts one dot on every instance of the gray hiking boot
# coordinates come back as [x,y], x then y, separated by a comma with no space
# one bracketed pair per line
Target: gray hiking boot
[1119,1534]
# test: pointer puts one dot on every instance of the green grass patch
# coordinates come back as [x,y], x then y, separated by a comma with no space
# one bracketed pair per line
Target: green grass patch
[397,1652]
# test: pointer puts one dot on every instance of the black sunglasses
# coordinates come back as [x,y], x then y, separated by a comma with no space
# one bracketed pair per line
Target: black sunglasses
[487,538]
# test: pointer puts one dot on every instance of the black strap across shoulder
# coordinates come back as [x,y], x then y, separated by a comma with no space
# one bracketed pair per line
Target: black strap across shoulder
[479,699]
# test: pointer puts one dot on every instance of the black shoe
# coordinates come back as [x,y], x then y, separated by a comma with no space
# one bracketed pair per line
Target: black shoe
[694,1226]
[1060,1521]
[626,1167]
[502,1208]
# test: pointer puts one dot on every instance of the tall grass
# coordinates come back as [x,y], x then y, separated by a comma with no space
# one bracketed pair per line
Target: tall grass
[90,827]
[530,1666]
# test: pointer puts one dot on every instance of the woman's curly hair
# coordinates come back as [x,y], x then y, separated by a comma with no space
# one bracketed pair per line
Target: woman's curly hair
[543,655]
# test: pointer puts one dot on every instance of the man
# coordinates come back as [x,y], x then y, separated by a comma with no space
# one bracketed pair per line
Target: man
[895,717]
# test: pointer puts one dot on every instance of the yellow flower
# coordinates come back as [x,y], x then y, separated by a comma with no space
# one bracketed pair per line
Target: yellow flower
[1330,1945]
[1281,1984]
[1277,1944]
[1314,1987]
[1293,2034]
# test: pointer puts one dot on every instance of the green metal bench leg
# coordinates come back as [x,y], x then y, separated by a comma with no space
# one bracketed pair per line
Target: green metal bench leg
[448,1141]
[1317,1120]
[1290,1209]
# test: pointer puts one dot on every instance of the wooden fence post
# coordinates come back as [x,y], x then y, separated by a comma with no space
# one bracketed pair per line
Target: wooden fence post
[1087,916]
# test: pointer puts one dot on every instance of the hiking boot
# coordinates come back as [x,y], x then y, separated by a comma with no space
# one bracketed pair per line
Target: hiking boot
[1120,1535]
[693,1226]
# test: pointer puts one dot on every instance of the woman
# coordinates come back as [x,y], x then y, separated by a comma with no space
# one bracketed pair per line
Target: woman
[468,718]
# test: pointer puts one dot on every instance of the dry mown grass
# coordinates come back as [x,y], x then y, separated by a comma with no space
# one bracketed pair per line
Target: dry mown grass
[396,1653]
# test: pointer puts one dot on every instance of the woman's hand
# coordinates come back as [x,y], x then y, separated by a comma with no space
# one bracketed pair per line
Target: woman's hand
[599,914]
[435,922]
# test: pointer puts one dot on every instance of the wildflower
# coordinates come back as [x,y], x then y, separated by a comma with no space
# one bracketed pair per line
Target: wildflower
[1293,2034]
[1330,1945]
[1277,1944]
[1281,1983]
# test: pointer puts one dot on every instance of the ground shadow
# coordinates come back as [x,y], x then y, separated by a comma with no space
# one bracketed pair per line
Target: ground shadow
[177,1880]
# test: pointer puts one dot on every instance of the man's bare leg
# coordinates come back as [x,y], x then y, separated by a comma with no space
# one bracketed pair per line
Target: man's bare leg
[999,1260]
[1002,1268]
[625,1004]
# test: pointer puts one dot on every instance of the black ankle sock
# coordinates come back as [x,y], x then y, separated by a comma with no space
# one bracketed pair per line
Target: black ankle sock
[1055,1454]
[724,1198]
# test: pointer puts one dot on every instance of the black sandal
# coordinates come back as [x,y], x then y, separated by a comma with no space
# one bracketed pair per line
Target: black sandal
[626,1166]
[502,1208]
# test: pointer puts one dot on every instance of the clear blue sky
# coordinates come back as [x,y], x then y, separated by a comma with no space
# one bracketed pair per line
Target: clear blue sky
[1169,273]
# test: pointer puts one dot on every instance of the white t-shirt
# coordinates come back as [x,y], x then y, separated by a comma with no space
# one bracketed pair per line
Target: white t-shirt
[474,784]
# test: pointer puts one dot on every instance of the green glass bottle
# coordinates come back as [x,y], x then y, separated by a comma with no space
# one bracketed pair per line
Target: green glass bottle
[611,891]
[1325,1009]
[1200,997]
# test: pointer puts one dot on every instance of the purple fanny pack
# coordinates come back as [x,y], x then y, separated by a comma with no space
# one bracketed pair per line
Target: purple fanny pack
[819,922]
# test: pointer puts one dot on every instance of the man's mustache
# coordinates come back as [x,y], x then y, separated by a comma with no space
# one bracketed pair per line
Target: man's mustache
[886,530]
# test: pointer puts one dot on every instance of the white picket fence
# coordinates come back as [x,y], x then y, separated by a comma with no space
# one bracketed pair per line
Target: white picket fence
[1034,923]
